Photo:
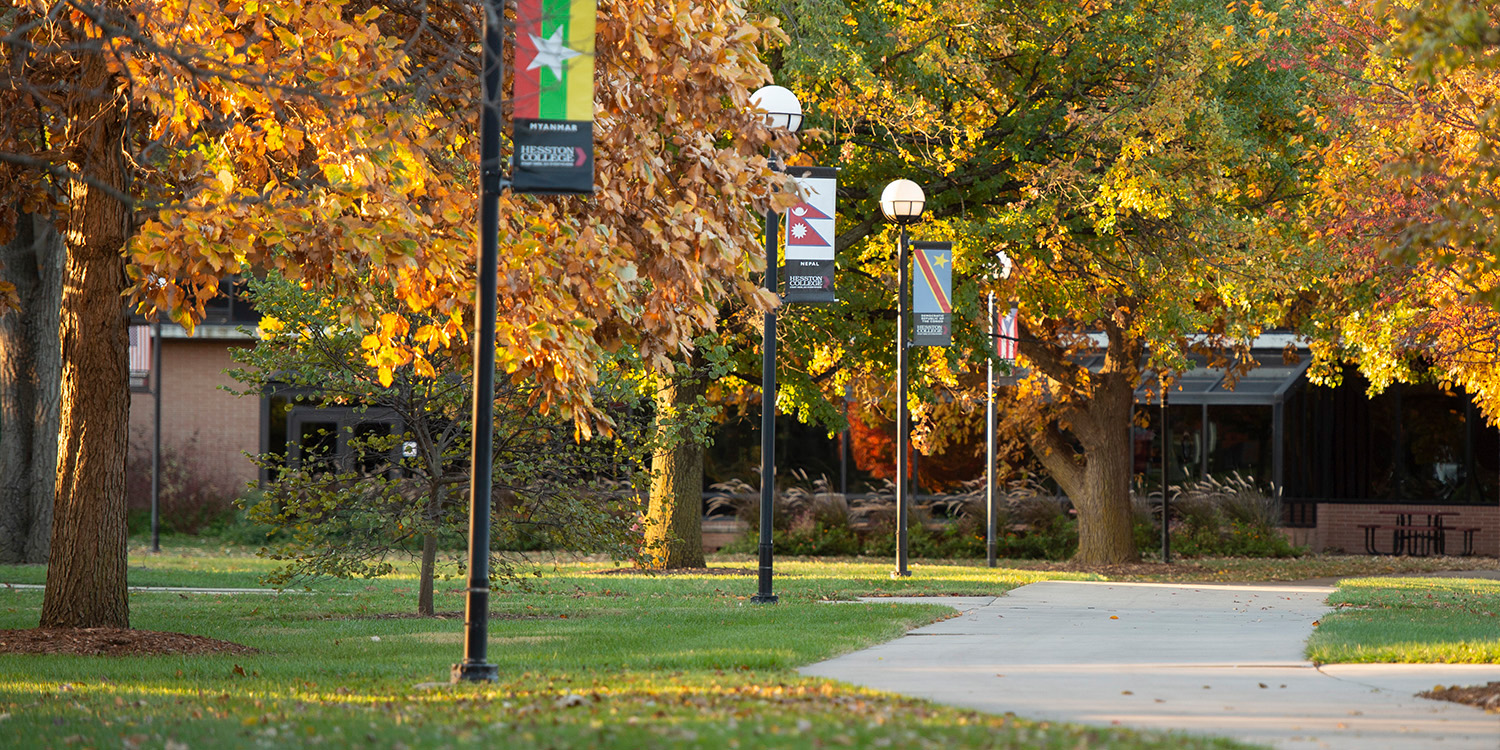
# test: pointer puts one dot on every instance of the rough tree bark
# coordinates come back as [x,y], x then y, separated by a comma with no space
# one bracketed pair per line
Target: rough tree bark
[674,518]
[30,368]
[86,584]
[1098,479]
[1095,471]
[425,605]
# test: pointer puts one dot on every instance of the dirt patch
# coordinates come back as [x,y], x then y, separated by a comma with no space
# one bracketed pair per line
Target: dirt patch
[1486,697]
[679,572]
[112,642]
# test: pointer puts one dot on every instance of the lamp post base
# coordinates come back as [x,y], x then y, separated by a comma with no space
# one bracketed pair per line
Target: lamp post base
[475,672]
[901,574]
[766,599]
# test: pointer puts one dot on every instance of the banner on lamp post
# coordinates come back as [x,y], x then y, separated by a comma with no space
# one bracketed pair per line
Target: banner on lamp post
[553,130]
[932,292]
[1005,337]
[810,235]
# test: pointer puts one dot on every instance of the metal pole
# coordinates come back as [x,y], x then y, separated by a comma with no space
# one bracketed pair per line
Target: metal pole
[901,417]
[989,443]
[1166,475]
[768,422]
[475,666]
[156,435]
[844,449]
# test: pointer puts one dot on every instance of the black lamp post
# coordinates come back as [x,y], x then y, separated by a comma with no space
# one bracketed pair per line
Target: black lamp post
[783,112]
[475,666]
[902,201]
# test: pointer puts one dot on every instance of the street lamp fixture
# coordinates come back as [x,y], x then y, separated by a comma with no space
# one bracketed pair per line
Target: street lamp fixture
[902,202]
[782,112]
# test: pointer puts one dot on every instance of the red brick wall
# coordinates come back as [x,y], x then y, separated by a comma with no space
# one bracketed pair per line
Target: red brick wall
[1339,526]
[211,426]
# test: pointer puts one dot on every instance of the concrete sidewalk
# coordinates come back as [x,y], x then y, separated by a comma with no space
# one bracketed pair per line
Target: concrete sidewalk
[1207,659]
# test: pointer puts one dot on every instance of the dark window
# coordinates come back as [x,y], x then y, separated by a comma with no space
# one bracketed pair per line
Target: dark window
[1186,436]
[232,305]
[1433,437]
[305,433]
[1239,442]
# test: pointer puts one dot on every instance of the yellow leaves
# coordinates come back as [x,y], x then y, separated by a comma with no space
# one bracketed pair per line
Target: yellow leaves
[288,38]
[270,326]
[368,17]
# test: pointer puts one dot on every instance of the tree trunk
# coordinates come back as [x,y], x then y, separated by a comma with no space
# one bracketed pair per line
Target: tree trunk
[30,368]
[1105,533]
[1098,481]
[86,576]
[424,584]
[674,519]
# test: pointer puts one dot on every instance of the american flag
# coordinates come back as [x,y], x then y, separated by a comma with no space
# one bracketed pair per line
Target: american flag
[1005,341]
[140,351]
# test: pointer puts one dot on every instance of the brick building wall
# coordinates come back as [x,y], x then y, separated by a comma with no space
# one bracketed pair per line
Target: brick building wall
[1339,526]
[201,423]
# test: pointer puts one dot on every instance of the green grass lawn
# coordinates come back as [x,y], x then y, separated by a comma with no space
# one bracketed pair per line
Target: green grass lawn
[586,660]
[1451,620]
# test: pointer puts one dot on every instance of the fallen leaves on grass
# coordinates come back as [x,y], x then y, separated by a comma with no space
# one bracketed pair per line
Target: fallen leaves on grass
[677,572]
[112,642]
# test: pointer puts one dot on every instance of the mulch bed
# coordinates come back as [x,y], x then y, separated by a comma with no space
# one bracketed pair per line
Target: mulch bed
[679,572]
[112,642]
[1486,697]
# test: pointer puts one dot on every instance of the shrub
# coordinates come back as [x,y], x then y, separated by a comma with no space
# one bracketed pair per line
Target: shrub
[1229,518]
[191,499]
[1220,518]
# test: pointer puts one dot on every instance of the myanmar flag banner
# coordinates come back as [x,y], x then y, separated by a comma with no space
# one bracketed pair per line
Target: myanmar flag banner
[554,97]
[932,290]
[809,236]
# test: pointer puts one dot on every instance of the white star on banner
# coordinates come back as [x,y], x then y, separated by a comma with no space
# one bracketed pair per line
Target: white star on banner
[799,230]
[550,53]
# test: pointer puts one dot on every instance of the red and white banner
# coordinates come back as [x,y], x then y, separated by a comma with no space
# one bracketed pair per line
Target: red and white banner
[810,235]
[1005,334]
[140,355]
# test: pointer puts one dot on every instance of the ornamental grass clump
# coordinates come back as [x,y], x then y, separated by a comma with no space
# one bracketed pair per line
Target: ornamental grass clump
[1231,517]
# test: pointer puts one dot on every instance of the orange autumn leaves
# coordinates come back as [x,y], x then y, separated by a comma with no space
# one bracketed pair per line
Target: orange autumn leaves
[334,143]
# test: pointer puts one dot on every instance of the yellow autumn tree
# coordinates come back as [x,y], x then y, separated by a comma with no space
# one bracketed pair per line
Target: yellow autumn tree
[177,142]
[1406,193]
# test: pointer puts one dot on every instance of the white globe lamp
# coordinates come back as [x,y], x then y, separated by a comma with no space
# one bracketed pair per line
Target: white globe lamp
[902,201]
[782,109]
